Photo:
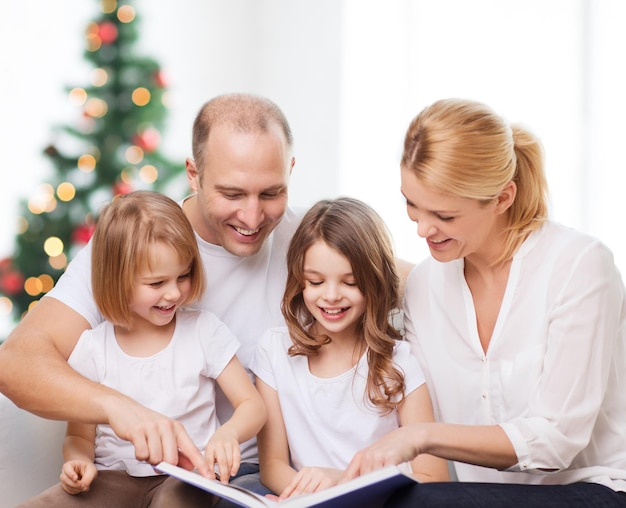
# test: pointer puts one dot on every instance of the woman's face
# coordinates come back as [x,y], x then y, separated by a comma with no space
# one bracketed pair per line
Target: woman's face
[453,227]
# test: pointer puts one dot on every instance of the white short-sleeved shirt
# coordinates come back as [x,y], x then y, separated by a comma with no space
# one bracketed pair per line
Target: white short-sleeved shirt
[178,381]
[243,292]
[554,375]
[327,420]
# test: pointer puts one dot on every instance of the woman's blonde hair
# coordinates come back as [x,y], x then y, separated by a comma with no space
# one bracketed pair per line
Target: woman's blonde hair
[128,231]
[462,148]
[356,231]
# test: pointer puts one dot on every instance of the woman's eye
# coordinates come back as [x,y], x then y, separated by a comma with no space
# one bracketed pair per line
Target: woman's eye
[314,282]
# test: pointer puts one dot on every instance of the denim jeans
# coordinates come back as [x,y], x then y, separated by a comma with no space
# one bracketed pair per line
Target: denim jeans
[249,478]
[499,495]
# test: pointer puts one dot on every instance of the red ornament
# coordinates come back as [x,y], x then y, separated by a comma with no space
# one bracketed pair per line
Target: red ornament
[107,32]
[11,282]
[160,79]
[82,234]
[121,188]
[148,139]
[5,264]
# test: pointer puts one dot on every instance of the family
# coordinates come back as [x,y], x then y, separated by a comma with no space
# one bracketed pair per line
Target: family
[287,350]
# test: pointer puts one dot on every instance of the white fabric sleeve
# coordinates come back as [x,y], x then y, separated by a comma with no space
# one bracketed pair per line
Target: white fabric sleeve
[261,364]
[84,355]
[583,328]
[217,342]
[409,366]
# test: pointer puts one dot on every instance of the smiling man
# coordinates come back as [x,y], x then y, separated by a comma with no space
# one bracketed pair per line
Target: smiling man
[239,176]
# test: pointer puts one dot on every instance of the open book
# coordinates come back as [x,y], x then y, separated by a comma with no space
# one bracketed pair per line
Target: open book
[368,491]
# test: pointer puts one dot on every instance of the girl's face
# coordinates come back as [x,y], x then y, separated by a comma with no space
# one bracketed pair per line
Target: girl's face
[330,292]
[453,227]
[160,288]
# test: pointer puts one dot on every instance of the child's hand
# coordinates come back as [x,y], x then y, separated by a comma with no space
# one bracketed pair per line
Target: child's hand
[77,476]
[311,479]
[223,450]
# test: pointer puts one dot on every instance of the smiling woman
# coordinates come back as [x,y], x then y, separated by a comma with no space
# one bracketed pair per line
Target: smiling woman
[521,330]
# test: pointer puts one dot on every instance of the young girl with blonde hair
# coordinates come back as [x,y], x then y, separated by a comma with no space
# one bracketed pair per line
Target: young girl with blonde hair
[338,376]
[146,269]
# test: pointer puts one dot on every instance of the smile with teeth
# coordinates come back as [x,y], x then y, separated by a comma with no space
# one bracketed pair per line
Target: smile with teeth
[246,232]
[439,241]
[334,311]
[165,307]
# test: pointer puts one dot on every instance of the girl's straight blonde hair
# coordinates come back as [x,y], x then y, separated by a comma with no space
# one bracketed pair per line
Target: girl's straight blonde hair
[128,232]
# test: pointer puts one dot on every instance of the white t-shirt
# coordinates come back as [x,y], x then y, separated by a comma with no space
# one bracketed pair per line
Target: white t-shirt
[178,381]
[554,375]
[327,420]
[243,292]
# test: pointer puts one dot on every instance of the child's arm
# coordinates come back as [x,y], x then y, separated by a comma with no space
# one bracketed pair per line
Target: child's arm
[79,470]
[248,418]
[276,471]
[417,408]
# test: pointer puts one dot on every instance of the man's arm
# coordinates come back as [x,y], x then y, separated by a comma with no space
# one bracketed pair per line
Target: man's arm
[35,375]
[33,365]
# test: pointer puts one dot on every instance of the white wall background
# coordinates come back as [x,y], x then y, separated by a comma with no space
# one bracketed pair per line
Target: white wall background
[349,74]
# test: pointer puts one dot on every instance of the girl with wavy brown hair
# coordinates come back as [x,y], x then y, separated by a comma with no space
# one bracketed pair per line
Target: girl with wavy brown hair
[338,376]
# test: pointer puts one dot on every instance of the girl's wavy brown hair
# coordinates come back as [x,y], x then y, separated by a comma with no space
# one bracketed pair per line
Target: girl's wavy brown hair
[356,231]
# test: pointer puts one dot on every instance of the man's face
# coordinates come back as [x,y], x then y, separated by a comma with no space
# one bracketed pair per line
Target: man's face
[241,192]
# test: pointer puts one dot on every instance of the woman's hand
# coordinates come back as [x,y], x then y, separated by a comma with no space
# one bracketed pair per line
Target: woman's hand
[77,476]
[392,449]
[311,479]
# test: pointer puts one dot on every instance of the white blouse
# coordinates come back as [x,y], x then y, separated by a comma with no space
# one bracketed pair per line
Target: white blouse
[554,375]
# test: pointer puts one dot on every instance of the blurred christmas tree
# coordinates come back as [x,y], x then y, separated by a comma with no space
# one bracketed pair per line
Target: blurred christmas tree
[113,149]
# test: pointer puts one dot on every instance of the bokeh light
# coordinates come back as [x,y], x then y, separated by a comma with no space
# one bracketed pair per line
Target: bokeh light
[78,96]
[99,77]
[86,163]
[33,286]
[66,191]
[96,107]
[53,246]
[148,174]
[141,96]
[126,14]
[6,306]
[134,154]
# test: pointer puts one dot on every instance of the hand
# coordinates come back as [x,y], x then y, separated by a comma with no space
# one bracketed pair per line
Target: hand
[223,450]
[156,438]
[392,449]
[77,476]
[309,480]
